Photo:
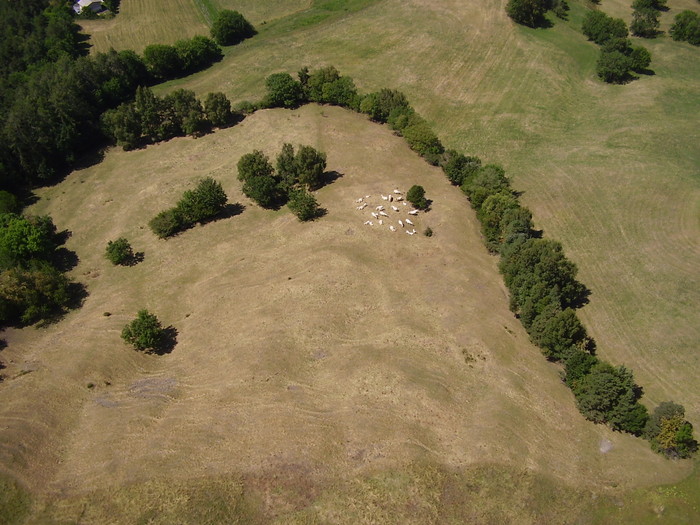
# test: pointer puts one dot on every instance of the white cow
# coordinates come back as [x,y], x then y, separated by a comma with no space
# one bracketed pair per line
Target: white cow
[391,199]
[397,192]
[400,223]
[413,212]
[394,208]
[408,221]
[375,215]
[392,228]
[399,198]
[369,223]
[381,222]
[383,214]
[379,208]
[404,203]
[385,198]
[360,199]
[367,196]
[410,233]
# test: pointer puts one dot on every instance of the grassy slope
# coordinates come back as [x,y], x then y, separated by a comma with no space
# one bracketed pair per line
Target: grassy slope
[582,151]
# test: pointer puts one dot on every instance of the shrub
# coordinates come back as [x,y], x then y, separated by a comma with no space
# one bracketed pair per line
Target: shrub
[119,252]
[488,180]
[230,28]
[283,91]
[217,109]
[640,58]
[527,12]
[379,105]
[645,23]
[255,164]
[145,332]
[162,61]
[422,140]
[669,433]
[303,205]
[613,67]
[264,190]
[458,167]
[203,203]
[577,365]
[416,196]
[599,27]
[24,238]
[166,223]
[310,166]
[557,332]
[197,53]
[686,26]
[428,232]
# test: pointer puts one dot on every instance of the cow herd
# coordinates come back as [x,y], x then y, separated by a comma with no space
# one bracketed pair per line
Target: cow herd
[394,212]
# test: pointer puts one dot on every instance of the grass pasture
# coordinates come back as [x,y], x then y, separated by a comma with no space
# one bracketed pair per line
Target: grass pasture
[331,373]
[330,350]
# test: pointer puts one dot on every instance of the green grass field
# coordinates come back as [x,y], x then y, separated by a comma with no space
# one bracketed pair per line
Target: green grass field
[613,172]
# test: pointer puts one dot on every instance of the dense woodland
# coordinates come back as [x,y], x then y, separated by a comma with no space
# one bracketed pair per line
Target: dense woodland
[58,104]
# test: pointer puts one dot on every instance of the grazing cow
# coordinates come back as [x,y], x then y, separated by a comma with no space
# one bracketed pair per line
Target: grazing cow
[391,199]
[381,222]
[408,221]
[385,198]
[410,233]
[399,198]
[379,208]
[404,203]
[383,214]
[397,192]
[360,199]
[375,215]
[413,212]
[368,223]
[367,196]
[400,223]
[392,228]
[394,208]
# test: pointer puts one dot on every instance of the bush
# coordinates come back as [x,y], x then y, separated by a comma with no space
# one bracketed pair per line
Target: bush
[119,252]
[488,180]
[422,140]
[577,365]
[145,332]
[205,202]
[458,167]
[25,238]
[255,164]
[686,26]
[230,28]
[669,433]
[303,205]
[379,105]
[197,53]
[600,28]
[557,332]
[645,23]
[310,166]
[217,109]
[264,190]
[283,91]
[613,67]
[416,196]
[166,223]
[527,12]
[162,61]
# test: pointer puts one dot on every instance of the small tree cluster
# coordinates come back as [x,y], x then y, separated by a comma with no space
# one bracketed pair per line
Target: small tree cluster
[323,86]
[145,332]
[231,28]
[669,432]
[686,27]
[531,13]
[119,252]
[151,119]
[617,55]
[165,62]
[645,17]
[202,204]
[296,174]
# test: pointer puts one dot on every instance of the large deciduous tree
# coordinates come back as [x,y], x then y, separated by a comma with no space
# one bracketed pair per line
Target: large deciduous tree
[230,28]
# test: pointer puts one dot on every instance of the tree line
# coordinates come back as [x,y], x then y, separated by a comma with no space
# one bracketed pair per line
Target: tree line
[544,290]
[52,96]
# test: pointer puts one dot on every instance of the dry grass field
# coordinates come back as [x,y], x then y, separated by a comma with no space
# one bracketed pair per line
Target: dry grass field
[334,373]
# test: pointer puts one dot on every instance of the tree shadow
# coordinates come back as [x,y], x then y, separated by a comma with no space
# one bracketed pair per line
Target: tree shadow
[77,293]
[645,72]
[91,158]
[64,259]
[135,258]
[231,210]
[329,177]
[167,342]
[320,212]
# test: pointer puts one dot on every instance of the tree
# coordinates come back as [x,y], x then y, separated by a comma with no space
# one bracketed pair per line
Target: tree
[645,23]
[577,365]
[283,91]
[557,332]
[416,196]
[217,109]
[326,86]
[197,53]
[491,216]
[608,395]
[203,203]
[22,239]
[255,164]
[145,332]
[380,104]
[459,167]
[423,140]
[310,166]
[230,28]
[669,432]
[123,124]
[303,205]
[599,27]
[640,58]
[162,61]
[527,12]
[613,67]
[488,180]
[184,113]
[686,26]
[166,223]
[263,190]
[287,168]
[119,252]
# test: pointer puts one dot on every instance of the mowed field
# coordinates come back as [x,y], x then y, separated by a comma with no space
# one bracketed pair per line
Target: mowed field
[342,394]
[321,354]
